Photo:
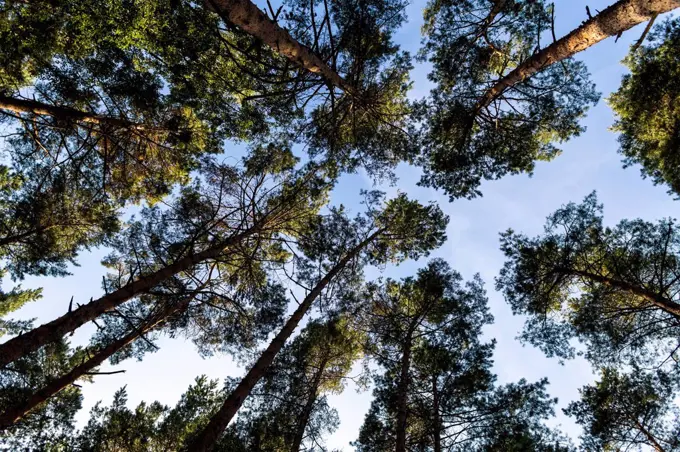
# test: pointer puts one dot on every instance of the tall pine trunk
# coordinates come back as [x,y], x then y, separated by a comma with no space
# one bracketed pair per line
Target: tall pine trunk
[31,341]
[12,415]
[402,395]
[436,421]
[206,440]
[248,17]
[64,113]
[309,406]
[612,21]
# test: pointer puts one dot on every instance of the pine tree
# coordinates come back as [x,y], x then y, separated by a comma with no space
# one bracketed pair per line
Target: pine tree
[337,248]
[436,391]
[646,105]
[237,209]
[289,408]
[629,410]
[614,288]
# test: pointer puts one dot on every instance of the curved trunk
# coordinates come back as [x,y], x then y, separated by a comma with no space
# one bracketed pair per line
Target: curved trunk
[612,21]
[248,17]
[309,406]
[40,108]
[402,396]
[206,440]
[13,414]
[31,341]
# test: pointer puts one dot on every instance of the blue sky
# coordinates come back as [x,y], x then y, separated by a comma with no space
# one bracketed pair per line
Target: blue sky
[588,163]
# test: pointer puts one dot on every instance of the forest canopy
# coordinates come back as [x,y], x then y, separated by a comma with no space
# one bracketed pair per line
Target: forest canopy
[206,152]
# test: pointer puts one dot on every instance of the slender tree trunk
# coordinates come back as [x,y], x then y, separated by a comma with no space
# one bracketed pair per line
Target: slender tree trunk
[612,21]
[435,416]
[206,440]
[309,406]
[657,300]
[654,443]
[26,343]
[248,17]
[12,415]
[39,108]
[402,396]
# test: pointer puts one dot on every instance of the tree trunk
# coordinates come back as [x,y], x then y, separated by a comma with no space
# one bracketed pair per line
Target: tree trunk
[248,17]
[206,440]
[402,396]
[39,108]
[612,21]
[657,300]
[654,443]
[436,433]
[31,341]
[309,406]
[13,414]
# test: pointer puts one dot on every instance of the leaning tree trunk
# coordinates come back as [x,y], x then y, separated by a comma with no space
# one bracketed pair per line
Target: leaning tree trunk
[612,21]
[309,406]
[248,17]
[402,396]
[15,413]
[29,342]
[205,441]
[65,113]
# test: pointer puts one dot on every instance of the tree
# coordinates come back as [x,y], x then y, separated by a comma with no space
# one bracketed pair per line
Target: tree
[47,218]
[148,427]
[338,248]
[132,94]
[257,203]
[629,410]
[614,288]
[475,130]
[288,408]
[646,106]
[346,46]
[436,391]
[52,422]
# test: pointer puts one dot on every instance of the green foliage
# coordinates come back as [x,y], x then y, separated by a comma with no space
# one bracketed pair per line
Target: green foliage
[611,287]
[290,404]
[471,47]
[426,330]
[50,425]
[366,124]
[629,410]
[149,427]
[48,217]
[647,106]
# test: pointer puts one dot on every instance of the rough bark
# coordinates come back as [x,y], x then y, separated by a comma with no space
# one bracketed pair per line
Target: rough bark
[309,406]
[657,300]
[402,396]
[31,341]
[248,17]
[20,106]
[206,440]
[612,21]
[13,414]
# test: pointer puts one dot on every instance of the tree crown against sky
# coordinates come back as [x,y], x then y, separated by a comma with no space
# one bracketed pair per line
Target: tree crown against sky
[113,103]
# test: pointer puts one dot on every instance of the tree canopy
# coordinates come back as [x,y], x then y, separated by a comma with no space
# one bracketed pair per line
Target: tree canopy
[201,147]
